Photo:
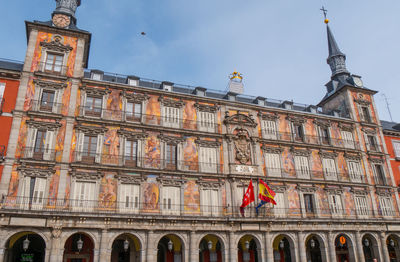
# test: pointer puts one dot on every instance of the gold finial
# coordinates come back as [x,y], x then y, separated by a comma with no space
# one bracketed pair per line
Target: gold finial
[236,75]
[325,12]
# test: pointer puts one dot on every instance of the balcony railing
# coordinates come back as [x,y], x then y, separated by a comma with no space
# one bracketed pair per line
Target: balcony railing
[47,107]
[146,162]
[38,154]
[52,68]
[79,207]
[374,147]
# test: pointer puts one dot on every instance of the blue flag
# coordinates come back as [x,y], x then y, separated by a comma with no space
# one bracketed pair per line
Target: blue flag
[260,205]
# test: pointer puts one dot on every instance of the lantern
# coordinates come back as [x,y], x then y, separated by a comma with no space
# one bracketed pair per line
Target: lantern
[126,245]
[79,244]
[391,242]
[170,245]
[209,245]
[25,244]
[312,243]
[281,244]
[247,245]
[366,242]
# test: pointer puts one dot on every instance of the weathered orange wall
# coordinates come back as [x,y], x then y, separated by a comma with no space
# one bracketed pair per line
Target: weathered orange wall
[394,163]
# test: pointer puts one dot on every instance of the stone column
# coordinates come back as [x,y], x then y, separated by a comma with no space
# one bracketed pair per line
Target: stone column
[302,250]
[359,247]
[105,252]
[268,247]
[47,255]
[150,247]
[331,247]
[385,251]
[232,247]
[194,256]
[56,248]
[2,253]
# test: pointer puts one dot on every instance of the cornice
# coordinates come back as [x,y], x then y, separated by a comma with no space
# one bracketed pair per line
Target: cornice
[135,97]
[268,116]
[43,124]
[94,91]
[207,143]
[239,119]
[272,149]
[91,129]
[206,108]
[171,140]
[49,84]
[171,102]
[327,154]
[132,135]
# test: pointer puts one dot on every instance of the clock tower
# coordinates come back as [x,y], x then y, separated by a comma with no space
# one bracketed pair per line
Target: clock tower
[64,14]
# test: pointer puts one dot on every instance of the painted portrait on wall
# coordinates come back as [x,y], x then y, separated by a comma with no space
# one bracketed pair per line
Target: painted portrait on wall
[189,116]
[151,195]
[316,165]
[153,111]
[152,151]
[190,155]
[191,197]
[288,163]
[114,106]
[111,147]
[293,201]
[53,189]
[108,192]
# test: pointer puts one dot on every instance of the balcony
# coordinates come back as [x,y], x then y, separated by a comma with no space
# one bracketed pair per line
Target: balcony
[52,68]
[114,208]
[46,107]
[31,153]
[373,147]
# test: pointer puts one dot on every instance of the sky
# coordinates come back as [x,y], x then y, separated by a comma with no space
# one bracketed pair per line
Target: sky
[280,46]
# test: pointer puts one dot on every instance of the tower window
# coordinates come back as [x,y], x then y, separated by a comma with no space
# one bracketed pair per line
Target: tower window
[366,115]
[54,63]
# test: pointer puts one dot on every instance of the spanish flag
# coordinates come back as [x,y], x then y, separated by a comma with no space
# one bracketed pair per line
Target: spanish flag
[266,194]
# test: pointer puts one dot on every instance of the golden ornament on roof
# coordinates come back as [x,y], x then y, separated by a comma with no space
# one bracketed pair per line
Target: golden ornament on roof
[326,21]
[236,75]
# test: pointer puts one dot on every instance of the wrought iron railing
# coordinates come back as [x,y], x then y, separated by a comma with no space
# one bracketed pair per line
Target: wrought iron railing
[156,208]
[38,154]
[47,107]
[52,68]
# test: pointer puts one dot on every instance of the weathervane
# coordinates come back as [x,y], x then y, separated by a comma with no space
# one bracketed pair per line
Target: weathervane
[325,12]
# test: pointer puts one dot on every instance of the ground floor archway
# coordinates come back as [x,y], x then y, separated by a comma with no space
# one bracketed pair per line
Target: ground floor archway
[211,249]
[126,248]
[248,249]
[283,247]
[370,248]
[344,249]
[392,243]
[170,249]
[314,248]
[25,246]
[78,248]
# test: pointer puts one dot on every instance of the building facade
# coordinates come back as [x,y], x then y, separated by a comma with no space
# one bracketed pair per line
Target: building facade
[391,132]
[105,167]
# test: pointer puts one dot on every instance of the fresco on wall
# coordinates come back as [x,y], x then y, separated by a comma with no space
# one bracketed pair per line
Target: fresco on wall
[189,116]
[349,205]
[60,140]
[108,192]
[110,154]
[13,186]
[190,154]
[336,135]
[30,93]
[191,197]
[114,106]
[219,121]
[152,151]
[323,201]
[311,131]
[151,195]
[67,190]
[78,102]
[73,146]
[66,99]
[288,163]
[316,165]
[225,207]
[284,128]
[153,111]
[293,201]
[23,134]
[53,189]
[342,164]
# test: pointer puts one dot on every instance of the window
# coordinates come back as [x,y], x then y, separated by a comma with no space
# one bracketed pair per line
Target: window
[329,166]
[171,116]
[170,156]
[208,159]
[133,82]
[130,156]
[273,164]
[54,63]
[34,192]
[355,171]
[324,135]
[89,148]
[2,88]
[171,200]
[386,205]
[210,202]
[298,134]
[47,100]
[96,76]
[302,167]
[348,140]
[361,205]
[93,106]
[133,111]
[129,197]
[206,121]
[379,175]
[84,197]
[309,203]
[372,145]
[335,202]
[365,114]
[396,148]
[39,144]
[268,129]
[279,208]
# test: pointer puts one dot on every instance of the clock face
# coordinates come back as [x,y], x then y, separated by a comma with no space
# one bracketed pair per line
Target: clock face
[357,81]
[61,20]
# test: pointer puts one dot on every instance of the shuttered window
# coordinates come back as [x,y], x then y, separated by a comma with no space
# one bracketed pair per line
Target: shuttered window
[210,202]
[273,164]
[361,205]
[84,196]
[329,166]
[302,167]
[133,111]
[171,203]
[396,147]
[279,208]
[171,116]
[348,140]
[129,197]
[386,205]
[206,121]
[335,202]
[268,129]
[208,159]
[355,171]
[33,195]
[379,175]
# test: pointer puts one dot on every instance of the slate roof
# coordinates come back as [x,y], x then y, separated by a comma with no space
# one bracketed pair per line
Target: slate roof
[390,126]
[11,65]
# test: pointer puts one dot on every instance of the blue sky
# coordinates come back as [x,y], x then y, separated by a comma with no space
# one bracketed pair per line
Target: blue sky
[279,45]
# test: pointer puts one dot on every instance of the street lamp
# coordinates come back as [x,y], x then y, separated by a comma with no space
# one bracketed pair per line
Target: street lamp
[281,244]
[312,243]
[366,242]
[25,244]
[247,245]
[126,245]
[209,245]
[391,242]
[79,244]
[170,245]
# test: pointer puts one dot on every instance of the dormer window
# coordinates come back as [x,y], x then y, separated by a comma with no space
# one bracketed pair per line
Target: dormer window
[132,81]
[96,76]
[167,86]
[54,63]
[366,115]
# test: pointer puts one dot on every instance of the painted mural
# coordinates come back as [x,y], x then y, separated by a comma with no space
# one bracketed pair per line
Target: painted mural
[13,186]
[342,165]
[152,151]
[288,163]
[73,145]
[66,99]
[151,195]
[293,201]
[191,197]
[110,154]
[108,192]
[190,155]
[189,116]
[67,190]
[349,205]
[316,165]
[53,189]
[30,93]
[323,201]
[153,113]
[23,134]
[311,131]
[284,128]
[114,106]
[336,135]
[60,140]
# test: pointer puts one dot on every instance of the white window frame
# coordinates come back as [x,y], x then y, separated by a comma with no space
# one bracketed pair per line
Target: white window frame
[208,158]
[206,121]
[174,120]
[302,166]
[273,164]
[386,205]
[171,200]
[52,52]
[396,148]
[99,147]
[355,170]
[375,172]
[303,130]
[320,134]
[49,144]
[348,139]
[268,129]
[280,207]
[210,202]
[329,166]
[361,203]
[139,116]
[336,204]
[87,201]
[315,204]
[2,89]
[39,193]
[129,198]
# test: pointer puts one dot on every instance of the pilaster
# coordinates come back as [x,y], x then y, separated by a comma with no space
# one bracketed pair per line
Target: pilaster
[385,251]
[302,250]
[359,247]
[331,246]
[268,246]
[194,254]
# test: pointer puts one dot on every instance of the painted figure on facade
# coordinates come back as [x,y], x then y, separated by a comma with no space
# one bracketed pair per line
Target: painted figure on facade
[151,193]
[192,197]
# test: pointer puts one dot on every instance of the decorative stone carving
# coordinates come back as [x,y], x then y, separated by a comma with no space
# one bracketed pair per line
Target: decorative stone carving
[346,127]
[132,135]
[36,172]
[86,176]
[239,119]
[322,123]
[91,130]
[296,119]
[135,98]
[360,100]
[209,184]
[170,181]
[376,160]
[272,149]
[242,146]
[334,190]
[306,189]
[56,231]
[49,84]
[206,108]
[369,131]
[171,140]
[129,179]
[56,45]
[278,189]
[271,117]
[97,92]
[300,152]
[352,156]
[206,143]
[52,126]
[360,191]
[171,102]
[384,192]
[326,154]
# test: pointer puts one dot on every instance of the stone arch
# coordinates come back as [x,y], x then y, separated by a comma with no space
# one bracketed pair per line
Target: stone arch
[72,249]
[254,245]
[36,247]
[393,246]
[219,252]
[323,245]
[289,253]
[178,247]
[115,235]
[94,239]
[131,252]
[350,243]
[20,230]
[370,246]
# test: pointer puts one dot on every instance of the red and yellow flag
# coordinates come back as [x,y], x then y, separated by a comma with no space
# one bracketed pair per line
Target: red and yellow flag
[266,194]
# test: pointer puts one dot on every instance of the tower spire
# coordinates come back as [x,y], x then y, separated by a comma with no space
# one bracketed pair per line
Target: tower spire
[336,59]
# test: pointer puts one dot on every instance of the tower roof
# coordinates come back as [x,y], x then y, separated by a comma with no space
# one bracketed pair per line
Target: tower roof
[332,45]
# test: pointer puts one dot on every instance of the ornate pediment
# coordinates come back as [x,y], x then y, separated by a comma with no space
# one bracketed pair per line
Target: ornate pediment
[206,143]
[278,189]
[130,179]
[49,84]
[93,91]
[376,160]
[327,154]
[136,98]
[322,123]
[300,152]
[271,149]
[334,190]
[346,127]
[171,102]
[170,181]
[239,119]
[384,192]
[369,131]
[36,172]
[356,157]
[306,189]
[296,119]
[91,130]
[43,124]
[56,45]
[361,100]
[270,117]
[132,135]
[89,176]
[359,191]
[171,140]
[206,108]
[209,184]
